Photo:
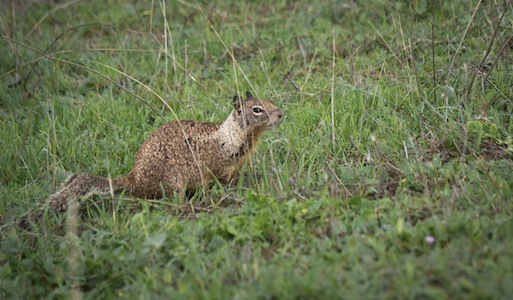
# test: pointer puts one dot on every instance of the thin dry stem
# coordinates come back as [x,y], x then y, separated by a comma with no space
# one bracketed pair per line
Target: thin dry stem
[487,53]
[333,90]
[461,41]
[83,67]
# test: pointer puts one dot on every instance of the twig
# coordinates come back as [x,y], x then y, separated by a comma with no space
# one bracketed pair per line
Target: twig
[461,41]
[57,8]
[25,80]
[333,91]
[487,53]
[80,66]
[507,43]
[433,50]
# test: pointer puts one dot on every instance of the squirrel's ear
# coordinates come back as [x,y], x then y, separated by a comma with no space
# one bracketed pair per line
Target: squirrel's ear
[248,95]
[237,102]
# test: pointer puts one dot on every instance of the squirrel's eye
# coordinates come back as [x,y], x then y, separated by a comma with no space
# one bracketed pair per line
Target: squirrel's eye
[257,110]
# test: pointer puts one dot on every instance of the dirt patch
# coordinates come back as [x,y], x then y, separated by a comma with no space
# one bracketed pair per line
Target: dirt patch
[491,150]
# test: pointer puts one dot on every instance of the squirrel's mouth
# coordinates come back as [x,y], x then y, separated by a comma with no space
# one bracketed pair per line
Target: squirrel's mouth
[274,119]
[274,123]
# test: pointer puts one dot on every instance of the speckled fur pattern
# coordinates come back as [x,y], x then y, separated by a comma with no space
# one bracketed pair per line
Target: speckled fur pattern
[181,155]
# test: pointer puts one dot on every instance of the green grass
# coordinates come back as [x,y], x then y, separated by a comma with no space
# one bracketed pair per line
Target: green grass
[379,149]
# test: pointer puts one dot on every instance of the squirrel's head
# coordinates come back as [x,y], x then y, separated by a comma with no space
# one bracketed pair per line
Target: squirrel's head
[255,115]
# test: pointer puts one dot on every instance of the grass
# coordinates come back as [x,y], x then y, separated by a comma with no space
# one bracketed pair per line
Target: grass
[398,128]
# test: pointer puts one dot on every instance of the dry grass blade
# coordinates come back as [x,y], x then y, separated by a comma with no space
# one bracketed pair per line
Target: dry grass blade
[83,67]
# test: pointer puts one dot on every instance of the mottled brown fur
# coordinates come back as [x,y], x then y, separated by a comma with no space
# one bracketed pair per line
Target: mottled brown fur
[179,156]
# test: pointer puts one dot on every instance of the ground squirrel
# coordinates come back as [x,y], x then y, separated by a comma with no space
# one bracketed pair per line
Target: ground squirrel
[179,156]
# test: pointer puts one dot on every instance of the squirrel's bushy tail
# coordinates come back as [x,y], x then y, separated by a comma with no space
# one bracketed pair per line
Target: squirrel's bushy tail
[76,187]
